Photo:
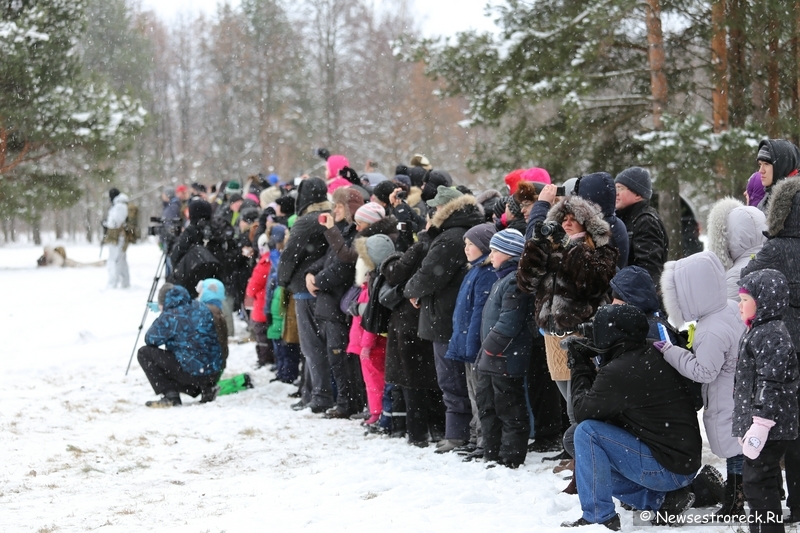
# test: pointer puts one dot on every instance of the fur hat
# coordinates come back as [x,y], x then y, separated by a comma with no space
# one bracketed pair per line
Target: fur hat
[637,180]
[199,210]
[419,160]
[249,215]
[350,198]
[528,191]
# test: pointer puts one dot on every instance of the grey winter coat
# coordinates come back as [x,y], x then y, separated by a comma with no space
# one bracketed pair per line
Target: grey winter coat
[766,373]
[694,289]
[735,234]
[782,249]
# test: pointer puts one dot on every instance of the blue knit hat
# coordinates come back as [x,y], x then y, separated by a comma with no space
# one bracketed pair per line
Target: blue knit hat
[509,241]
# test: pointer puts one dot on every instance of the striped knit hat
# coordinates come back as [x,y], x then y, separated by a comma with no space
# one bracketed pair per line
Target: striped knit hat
[370,213]
[509,241]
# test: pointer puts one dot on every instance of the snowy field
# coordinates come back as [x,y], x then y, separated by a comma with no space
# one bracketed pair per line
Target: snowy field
[82,453]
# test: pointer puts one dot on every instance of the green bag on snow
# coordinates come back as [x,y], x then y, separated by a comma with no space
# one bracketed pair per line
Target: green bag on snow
[234,384]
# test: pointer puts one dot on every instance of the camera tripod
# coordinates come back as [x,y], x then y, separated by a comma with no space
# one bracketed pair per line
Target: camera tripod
[159,271]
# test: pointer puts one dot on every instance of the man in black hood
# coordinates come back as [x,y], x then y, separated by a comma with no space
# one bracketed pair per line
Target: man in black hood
[637,438]
[777,160]
[432,181]
[306,245]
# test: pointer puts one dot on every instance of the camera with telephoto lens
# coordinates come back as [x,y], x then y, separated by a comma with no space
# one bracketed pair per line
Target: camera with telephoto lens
[402,195]
[173,226]
[586,329]
[548,228]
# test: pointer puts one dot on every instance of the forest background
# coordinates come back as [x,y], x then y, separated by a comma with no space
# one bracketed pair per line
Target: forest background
[101,93]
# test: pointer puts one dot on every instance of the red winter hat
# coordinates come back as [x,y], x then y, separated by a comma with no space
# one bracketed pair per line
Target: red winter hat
[512,178]
[536,174]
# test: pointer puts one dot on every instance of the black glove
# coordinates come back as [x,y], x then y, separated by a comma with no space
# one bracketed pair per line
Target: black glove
[350,175]
[323,153]
[579,352]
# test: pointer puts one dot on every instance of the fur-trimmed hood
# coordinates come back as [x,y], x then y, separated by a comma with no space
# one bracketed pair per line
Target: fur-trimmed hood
[464,211]
[735,230]
[783,217]
[318,207]
[414,196]
[693,287]
[588,215]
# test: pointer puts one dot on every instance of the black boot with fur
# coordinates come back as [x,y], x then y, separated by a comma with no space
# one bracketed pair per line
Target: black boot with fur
[733,505]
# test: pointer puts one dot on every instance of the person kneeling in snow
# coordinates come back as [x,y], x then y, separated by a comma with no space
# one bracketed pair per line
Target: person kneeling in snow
[192,361]
[638,438]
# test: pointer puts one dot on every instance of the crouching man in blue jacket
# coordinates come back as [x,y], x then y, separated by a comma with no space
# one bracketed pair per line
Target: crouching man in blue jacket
[192,360]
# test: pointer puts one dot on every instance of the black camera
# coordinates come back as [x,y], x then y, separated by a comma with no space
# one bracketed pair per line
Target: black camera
[561,190]
[586,329]
[173,226]
[402,195]
[548,228]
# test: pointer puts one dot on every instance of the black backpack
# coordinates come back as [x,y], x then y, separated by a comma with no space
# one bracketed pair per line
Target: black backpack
[375,318]
[198,264]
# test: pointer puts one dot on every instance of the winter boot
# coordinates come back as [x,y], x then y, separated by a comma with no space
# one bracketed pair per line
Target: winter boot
[612,523]
[170,399]
[708,487]
[675,503]
[733,503]
[209,394]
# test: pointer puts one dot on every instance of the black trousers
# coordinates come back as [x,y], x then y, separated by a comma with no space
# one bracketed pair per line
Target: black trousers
[504,417]
[546,401]
[264,349]
[346,368]
[792,464]
[424,413]
[166,375]
[762,486]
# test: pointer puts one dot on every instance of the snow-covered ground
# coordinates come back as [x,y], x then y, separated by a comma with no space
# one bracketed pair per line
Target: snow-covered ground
[81,452]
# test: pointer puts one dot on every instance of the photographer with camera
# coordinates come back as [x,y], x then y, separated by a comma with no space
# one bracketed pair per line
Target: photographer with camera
[568,265]
[638,438]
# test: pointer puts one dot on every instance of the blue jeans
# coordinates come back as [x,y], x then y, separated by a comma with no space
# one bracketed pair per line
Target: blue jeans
[610,462]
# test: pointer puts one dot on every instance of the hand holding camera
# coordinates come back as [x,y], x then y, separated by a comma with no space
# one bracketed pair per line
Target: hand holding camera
[550,231]
[325,219]
[350,175]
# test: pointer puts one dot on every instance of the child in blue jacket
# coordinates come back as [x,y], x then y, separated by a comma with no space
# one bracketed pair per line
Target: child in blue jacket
[504,356]
[466,340]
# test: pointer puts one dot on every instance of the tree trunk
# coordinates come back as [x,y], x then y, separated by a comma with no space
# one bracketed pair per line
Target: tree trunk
[773,80]
[658,80]
[719,61]
[737,60]
[668,201]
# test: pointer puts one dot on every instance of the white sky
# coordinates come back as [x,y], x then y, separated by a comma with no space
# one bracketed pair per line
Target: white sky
[438,17]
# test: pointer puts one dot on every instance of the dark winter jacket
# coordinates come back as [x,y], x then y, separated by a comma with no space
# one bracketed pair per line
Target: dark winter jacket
[333,276]
[504,330]
[185,327]
[466,340]
[641,393]
[438,279]
[306,245]
[599,188]
[785,162]
[218,238]
[782,249]
[409,359]
[767,371]
[570,282]
[647,238]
